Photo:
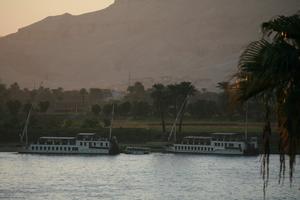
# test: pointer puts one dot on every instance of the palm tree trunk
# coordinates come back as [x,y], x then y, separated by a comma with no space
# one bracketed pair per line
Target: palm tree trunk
[163,124]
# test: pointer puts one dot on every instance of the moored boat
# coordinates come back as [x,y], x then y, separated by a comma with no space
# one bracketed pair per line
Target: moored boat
[216,143]
[83,143]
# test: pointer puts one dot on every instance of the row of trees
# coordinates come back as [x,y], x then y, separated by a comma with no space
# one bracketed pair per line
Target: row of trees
[160,101]
[15,106]
[59,99]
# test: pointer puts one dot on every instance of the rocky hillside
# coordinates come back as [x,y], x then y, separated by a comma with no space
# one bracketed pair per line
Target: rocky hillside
[152,40]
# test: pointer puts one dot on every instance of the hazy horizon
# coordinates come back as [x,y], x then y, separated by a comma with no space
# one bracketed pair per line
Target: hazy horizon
[142,40]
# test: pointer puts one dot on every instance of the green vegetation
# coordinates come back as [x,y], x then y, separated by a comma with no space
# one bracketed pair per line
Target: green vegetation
[153,110]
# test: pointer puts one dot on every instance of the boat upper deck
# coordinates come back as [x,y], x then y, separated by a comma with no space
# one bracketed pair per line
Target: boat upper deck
[226,137]
[71,140]
[90,137]
[57,138]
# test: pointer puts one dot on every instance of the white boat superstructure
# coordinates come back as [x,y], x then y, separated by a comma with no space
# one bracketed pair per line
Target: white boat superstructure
[83,143]
[217,143]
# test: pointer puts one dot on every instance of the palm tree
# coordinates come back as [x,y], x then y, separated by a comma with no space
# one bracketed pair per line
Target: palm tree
[269,69]
[159,95]
[186,89]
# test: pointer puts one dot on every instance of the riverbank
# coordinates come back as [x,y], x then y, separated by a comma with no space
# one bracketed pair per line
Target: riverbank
[141,133]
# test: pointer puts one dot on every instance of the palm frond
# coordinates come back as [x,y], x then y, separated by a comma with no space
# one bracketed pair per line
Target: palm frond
[283,27]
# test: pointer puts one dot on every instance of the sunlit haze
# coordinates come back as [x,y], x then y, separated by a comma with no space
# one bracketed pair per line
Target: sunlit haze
[15,14]
[113,43]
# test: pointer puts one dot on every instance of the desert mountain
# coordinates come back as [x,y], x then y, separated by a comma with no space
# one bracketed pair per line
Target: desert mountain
[152,40]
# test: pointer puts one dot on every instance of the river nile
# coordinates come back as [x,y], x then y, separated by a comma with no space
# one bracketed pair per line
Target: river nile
[154,176]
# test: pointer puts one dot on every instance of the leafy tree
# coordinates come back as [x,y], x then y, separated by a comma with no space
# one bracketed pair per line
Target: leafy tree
[136,92]
[58,93]
[124,108]
[107,109]
[3,94]
[14,92]
[106,122]
[90,123]
[140,109]
[26,107]
[68,123]
[269,69]
[14,107]
[96,109]
[44,105]
[202,109]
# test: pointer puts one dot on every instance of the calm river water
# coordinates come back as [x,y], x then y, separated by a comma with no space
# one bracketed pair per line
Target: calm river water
[154,176]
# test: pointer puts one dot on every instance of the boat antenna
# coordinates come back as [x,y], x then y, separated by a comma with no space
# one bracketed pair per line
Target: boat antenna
[176,119]
[25,129]
[24,132]
[112,120]
[178,115]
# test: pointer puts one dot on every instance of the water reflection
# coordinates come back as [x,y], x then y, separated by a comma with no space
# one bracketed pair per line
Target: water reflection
[154,176]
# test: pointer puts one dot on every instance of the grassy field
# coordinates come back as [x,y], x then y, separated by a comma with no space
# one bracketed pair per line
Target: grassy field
[196,127]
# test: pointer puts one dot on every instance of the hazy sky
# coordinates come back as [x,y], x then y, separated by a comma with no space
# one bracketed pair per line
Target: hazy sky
[15,14]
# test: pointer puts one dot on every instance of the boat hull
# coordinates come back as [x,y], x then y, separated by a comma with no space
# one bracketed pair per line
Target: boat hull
[66,150]
[211,151]
[207,153]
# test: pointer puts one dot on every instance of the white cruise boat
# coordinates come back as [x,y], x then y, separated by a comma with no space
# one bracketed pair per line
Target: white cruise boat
[217,143]
[83,143]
